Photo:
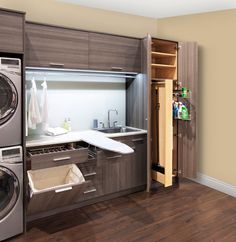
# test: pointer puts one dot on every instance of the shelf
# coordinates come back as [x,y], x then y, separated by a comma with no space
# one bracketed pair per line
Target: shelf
[162,54]
[163,66]
[182,119]
[161,79]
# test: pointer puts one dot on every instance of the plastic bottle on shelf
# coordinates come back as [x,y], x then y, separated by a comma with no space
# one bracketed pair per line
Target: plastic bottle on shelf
[185,114]
[65,124]
[180,105]
[68,124]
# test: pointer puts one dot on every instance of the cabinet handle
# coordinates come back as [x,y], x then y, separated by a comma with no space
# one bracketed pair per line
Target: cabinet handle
[137,140]
[90,191]
[114,157]
[56,64]
[90,174]
[63,189]
[115,68]
[178,135]
[62,158]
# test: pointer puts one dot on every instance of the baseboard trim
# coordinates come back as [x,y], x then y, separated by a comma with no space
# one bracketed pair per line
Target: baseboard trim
[215,184]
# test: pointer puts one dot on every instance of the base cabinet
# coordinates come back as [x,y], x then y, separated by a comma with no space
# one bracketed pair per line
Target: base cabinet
[105,173]
[122,172]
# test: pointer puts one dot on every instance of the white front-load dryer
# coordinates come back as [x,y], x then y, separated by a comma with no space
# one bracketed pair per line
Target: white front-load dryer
[10,102]
[11,192]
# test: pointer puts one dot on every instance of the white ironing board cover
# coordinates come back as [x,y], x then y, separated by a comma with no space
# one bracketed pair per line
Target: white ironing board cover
[99,139]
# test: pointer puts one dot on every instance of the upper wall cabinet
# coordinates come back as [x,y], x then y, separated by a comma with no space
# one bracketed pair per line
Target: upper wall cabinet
[48,46]
[11,31]
[114,53]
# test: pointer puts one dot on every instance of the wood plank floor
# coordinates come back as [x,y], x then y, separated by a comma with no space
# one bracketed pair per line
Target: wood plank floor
[190,212]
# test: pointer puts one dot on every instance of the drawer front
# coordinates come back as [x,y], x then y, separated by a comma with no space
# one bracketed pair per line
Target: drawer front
[11,32]
[56,47]
[55,199]
[132,141]
[40,161]
[88,169]
[93,174]
[105,156]
[114,53]
[90,192]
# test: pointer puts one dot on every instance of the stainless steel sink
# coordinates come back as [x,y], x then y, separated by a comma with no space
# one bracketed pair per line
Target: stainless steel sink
[117,130]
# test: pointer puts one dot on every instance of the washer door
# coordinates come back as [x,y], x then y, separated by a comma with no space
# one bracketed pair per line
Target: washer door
[8,100]
[9,191]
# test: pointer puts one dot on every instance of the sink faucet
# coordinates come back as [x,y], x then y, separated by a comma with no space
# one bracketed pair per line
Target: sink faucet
[109,121]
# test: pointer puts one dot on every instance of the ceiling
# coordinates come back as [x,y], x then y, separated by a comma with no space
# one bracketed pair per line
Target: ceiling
[157,8]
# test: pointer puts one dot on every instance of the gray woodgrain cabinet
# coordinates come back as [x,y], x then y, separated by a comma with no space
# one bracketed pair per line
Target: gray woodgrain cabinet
[49,46]
[114,53]
[122,172]
[187,131]
[133,167]
[11,31]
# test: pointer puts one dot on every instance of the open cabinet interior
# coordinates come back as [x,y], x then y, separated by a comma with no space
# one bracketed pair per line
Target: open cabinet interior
[163,59]
[162,132]
[163,67]
[171,77]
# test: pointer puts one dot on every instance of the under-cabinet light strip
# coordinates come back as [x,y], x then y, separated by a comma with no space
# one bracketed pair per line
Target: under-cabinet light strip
[41,70]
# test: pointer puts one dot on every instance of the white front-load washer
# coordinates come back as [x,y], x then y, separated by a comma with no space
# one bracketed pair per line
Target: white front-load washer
[11,192]
[10,102]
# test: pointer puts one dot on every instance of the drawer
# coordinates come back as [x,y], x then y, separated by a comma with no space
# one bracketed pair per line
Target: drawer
[88,169]
[132,141]
[44,158]
[55,187]
[90,192]
[50,200]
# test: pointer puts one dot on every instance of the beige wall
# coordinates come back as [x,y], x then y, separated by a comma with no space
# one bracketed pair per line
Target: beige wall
[216,35]
[55,12]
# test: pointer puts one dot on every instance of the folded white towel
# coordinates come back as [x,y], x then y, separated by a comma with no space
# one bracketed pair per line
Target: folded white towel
[44,105]
[34,116]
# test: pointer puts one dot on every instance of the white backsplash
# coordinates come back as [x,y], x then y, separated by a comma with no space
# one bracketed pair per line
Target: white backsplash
[83,101]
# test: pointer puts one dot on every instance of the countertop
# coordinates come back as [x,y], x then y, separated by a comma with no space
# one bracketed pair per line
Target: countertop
[72,136]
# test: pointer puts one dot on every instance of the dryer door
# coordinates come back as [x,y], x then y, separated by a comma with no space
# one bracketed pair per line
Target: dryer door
[8,100]
[9,191]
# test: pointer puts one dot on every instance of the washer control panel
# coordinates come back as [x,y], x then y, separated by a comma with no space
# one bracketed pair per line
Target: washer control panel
[11,154]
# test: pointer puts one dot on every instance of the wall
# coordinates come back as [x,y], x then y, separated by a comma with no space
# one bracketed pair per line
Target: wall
[65,14]
[216,36]
[80,98]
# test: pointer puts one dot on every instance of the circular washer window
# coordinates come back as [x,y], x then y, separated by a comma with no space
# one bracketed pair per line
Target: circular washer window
[8,100]
[9,191]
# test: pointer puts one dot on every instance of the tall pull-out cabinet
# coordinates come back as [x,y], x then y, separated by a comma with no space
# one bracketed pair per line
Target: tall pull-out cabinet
[172,144]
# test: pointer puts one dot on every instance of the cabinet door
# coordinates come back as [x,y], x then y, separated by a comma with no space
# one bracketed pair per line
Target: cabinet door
[110,166]
[187,130]
[114,53]
[133,167]
[11,32]
[48,46]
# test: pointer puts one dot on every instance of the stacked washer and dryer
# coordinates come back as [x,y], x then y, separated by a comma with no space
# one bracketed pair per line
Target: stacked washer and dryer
[11,158]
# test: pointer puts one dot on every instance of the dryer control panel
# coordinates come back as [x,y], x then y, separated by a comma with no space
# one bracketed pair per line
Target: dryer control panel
[11,154]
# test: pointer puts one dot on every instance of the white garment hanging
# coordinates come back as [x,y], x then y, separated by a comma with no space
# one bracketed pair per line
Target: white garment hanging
[26,120]
[34,116]
[44,105]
